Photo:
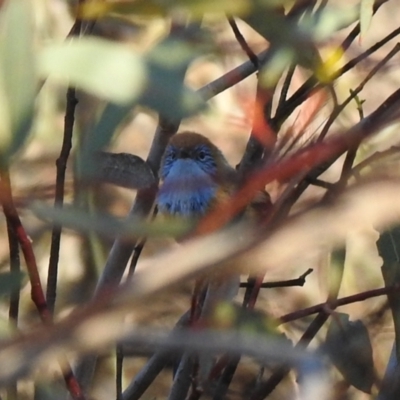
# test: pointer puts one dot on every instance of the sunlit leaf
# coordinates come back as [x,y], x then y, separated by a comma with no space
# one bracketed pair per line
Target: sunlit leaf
[326,70]
[106,69]
[366,13]
[389,249]
[17,74]
[349,348]
[110,226]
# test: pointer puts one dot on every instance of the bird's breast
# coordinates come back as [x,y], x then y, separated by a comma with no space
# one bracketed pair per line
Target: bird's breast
[187,190]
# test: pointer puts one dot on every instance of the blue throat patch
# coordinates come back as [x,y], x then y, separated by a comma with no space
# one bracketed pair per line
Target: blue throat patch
[187,190]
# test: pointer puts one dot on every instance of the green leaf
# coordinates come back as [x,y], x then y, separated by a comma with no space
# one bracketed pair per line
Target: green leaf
[322,24]
[366,13]
[18,80]
[165,93]
[106,69]
[389,249]
[349,348]
[110,226]
[229,316]
[10,281]
[298,37]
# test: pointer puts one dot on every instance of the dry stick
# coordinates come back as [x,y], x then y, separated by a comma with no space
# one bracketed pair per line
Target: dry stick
[119,358]
[61,165]
[153,367]
[243,44]
[15,268]
[37,293]
[327,307]
[300,281]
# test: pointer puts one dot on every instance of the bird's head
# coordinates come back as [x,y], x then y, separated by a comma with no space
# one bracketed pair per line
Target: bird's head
[193,171]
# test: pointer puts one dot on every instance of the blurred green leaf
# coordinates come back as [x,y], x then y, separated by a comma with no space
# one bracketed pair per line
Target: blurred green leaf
[389,249]
[110,226]
[297,37]
[349,348]
[230,316]
[366,13]
[106,69]
[161,8]
[328,20]
[165,93]
[10,281]
[18,80]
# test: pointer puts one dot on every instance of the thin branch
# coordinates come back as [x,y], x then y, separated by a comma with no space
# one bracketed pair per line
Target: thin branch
[354,93]
[328,307]
[300,281]
[119,359]
[377,156]
[243,44]
[61,165]
[15,268]
[304,91]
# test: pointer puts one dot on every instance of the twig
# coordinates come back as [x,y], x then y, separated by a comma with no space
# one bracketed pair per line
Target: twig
[119,359]
[243,44]
[15,268]
[61,165]
[379,155]
[357,90]
[300,281]
[303,92]
[332,305]
[153,367]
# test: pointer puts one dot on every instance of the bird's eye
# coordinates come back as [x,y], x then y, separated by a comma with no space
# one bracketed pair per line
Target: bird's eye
[201,155]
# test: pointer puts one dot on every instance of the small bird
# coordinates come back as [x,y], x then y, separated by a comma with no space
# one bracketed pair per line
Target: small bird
[194,176]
